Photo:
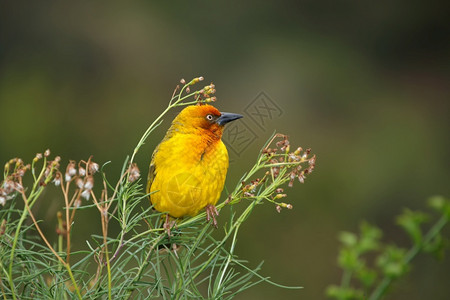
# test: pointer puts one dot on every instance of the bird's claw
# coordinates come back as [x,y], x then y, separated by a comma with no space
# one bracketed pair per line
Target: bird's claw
[168,225]
[211,213]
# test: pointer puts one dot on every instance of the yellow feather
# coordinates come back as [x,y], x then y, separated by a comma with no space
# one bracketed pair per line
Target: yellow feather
[189,166]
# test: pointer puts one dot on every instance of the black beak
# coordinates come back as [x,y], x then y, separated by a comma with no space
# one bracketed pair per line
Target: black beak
[227,117]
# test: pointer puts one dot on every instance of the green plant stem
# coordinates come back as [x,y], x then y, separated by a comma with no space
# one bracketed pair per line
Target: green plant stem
[33,195]
[142,266]
[346,278]
[158,120]
[108,268]
[382,287]
[230,257]
[1,282]
[72,278]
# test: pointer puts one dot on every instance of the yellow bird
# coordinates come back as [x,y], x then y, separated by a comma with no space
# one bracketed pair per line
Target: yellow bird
[188,168]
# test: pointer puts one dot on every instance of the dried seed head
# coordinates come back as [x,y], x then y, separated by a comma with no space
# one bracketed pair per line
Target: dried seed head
[80,183]
[18,187]
[8,187]
[278,208]
[81,171]
[57,179]
[291,183]
[93,167]
[70,170]
[89,184]
[77,203]
[86,194]
[301,178]
[182,81]
[47,153]
[134,173]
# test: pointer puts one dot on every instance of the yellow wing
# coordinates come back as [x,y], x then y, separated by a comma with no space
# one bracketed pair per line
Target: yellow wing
[151,171]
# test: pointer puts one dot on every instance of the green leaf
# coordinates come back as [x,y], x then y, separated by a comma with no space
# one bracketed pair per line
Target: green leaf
[349,259]
[440,204]
[349,239]
[410,221]
[437,246]
[366,276]
[370,237]
[392,262]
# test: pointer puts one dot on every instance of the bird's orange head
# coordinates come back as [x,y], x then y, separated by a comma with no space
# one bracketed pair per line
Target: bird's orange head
[203,119]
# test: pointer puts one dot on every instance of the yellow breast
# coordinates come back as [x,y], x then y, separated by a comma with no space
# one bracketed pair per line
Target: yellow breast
[189,174]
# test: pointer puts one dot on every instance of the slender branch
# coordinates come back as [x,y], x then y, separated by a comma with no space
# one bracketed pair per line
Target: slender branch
[24,197]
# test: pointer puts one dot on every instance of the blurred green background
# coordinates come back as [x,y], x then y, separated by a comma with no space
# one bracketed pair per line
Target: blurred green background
[364,84]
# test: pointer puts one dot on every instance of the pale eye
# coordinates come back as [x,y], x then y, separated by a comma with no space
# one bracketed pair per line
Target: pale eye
[209,117]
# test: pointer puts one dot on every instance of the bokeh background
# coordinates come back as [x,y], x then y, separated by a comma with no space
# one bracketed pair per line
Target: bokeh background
[365,84]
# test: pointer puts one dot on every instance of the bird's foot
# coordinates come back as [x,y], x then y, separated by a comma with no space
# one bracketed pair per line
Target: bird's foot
[211,213]
[168,225]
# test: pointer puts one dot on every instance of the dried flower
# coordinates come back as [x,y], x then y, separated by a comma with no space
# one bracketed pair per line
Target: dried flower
[37,157]
[70,170]
[57,179]
[18,187]
[81,171]
[78,203]
[80,183]
[86,194]
[134,173]
[89,184]
[301,178]
[47,153]
[8,186]
[93,167]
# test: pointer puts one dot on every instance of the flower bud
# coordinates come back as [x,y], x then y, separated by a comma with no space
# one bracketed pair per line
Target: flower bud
[286,205]
[279,196]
